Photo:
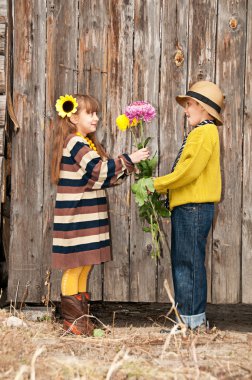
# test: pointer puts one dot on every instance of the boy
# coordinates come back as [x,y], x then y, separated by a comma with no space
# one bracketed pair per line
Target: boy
[194,185]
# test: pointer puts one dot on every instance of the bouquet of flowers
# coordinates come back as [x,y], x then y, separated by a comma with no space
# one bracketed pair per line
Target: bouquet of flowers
[151,207]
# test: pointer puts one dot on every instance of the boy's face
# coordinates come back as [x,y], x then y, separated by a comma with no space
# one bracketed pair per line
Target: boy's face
[195,113]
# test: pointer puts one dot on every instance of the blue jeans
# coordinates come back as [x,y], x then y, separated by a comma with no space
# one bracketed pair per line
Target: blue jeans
[190,226]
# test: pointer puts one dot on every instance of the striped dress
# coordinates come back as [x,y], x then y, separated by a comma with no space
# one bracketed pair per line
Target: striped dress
[81,226]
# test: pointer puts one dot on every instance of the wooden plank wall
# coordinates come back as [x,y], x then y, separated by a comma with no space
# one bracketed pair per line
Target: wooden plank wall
[3,44]
[246,274]
[120,51]
[93,78]
[61,71]
[119,60]
[230,71]
[28,150]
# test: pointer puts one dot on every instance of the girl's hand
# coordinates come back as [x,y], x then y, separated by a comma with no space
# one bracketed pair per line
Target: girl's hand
[139,155]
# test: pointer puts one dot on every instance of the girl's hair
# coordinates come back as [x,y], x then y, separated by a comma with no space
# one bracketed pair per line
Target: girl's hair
[64,127]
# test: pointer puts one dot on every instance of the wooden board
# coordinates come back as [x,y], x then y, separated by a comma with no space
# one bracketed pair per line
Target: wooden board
[92,79]
[61,67]
[202,40]
[145,87]
[3,11]
[120,43]
[172,82]
[230,68]
[201,66]
[247,164]
[93,49]
[2,180]
[2,110]
[26,245]
[2,38]
[2,141]
[2,75]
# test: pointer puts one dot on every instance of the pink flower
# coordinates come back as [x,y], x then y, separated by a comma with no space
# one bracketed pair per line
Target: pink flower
[140,110]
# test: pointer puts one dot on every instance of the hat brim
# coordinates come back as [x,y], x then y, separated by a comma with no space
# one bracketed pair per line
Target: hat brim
[182,99]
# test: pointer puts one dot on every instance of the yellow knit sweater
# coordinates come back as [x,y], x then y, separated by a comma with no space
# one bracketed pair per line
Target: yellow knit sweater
[197,177]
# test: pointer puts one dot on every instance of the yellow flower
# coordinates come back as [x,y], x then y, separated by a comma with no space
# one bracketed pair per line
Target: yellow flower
[134,122]
[122,122]
[66,105]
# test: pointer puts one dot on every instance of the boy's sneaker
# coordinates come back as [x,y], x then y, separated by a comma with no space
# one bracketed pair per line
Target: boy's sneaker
[176,329]
[202,329]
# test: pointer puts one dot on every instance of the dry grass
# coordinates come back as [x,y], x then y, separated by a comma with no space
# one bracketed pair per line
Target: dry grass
[42,351]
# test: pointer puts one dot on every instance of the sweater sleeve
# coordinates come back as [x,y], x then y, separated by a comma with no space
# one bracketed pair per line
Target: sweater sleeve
[99,174]
[194,158]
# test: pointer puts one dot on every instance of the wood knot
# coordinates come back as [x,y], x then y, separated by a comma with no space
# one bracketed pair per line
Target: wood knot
[200,76]
[233,23]
[179,58]
[216,244]
[149,249]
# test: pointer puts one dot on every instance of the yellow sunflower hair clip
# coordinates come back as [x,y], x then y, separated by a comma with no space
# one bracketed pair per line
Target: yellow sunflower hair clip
[66,105]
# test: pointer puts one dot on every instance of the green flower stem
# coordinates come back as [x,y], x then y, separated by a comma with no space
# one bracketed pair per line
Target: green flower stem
[155,249]
[134,137]
[158,227]
[141,130]
[152,237]
[150,206]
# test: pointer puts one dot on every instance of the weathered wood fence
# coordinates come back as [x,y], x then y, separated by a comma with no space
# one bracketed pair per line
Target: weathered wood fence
[3,39]
[119,51]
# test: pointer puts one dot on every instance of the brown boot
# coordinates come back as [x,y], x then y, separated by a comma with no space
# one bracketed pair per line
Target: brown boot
[72,308]
[85,298]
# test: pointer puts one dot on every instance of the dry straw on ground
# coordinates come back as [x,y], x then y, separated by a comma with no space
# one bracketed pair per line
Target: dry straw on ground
[43,351]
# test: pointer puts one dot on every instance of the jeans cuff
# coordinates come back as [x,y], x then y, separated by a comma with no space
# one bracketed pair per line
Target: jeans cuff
[193,321]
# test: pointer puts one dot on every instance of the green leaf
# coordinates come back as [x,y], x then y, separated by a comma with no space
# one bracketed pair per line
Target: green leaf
[151,206]
[98,333]
[146,141]
[165,213]
[152,163]
[146,229]
[140,188]
[147,167]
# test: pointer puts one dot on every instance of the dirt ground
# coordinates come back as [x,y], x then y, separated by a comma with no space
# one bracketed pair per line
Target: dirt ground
[135,348]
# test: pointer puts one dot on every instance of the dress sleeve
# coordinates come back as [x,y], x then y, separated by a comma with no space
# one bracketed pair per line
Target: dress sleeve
[194,158]
[100,174]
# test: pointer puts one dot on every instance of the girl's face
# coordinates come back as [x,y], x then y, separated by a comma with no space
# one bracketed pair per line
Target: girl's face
[195,113]
[86,122]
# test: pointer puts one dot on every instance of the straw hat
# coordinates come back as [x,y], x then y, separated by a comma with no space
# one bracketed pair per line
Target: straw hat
[209,95]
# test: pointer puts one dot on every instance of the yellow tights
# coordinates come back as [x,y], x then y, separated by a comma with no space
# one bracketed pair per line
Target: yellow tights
[75,280]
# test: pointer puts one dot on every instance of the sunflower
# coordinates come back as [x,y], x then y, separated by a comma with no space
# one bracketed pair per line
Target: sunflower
[66,105]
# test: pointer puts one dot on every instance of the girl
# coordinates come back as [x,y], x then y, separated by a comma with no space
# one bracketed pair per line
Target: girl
[82,170]
[194,185]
